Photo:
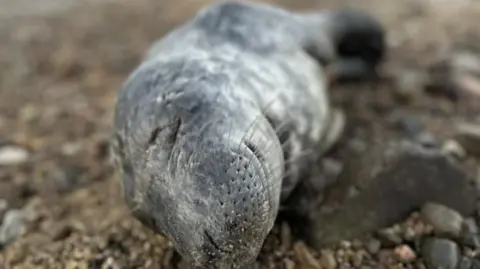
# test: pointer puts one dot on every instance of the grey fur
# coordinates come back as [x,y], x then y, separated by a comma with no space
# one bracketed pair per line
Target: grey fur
[206,126]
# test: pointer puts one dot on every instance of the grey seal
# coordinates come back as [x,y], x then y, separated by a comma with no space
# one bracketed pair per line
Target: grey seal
[225,115]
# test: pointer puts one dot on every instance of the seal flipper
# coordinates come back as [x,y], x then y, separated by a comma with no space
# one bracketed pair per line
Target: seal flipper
[351,41]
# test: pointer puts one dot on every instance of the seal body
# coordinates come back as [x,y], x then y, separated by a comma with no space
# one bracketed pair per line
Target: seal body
[206,127]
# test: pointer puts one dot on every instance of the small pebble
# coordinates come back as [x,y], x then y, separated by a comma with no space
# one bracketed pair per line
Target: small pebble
[465,61]
[3,208]
[440,253]
[409,234]
[385,256]
[12,227]
[469,226]
[305,256]
[442,80]
[409,83]
[443,219]
[404,254]
[465,263]
[327,260]
[71,148]
[411,126]
[373,246]
[12,155]
[453,148]
[285,237]
[357,258]
[289,264]
[471,240]
[468,136]
[73,264]
[475,264]
[390,237]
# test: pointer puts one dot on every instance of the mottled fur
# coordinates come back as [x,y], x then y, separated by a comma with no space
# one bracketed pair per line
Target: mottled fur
[206,126]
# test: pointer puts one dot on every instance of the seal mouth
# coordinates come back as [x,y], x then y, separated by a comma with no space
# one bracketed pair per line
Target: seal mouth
[216,253]
[211,241]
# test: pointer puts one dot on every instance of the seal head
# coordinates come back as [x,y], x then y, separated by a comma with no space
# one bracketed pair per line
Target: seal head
[198,170]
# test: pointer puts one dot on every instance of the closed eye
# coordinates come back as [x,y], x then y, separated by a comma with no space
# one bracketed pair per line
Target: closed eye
[166,135]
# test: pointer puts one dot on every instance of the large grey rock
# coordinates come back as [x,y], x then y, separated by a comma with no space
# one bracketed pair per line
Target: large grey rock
[393,180]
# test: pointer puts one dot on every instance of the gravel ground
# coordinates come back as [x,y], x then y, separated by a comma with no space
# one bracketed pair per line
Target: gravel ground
[60,68]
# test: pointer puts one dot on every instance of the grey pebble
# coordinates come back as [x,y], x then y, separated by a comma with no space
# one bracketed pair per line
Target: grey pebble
[468,136]
[475,264]
[443,219]
[389,237]
[471,240]
[465,263]
[373,246]
[3,208]
[411,126]
[440,253]
[470,226]
[470,236]
[12,226]
[414,130]
[466,61]
[409,82]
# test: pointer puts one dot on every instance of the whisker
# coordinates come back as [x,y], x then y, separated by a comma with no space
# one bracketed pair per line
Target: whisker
[249,128]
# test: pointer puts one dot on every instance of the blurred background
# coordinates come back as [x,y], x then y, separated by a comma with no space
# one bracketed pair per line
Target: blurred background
[62,62]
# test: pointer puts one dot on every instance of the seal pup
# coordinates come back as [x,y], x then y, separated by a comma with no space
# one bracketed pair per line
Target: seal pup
[226,114]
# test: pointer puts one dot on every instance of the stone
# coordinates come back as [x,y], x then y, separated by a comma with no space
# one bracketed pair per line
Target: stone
[465,263]
[285,237]
[468,136]
[357,258]
[475,264]
[442,81]
[469,226]
[13,155]
[408,83]
[405,254]
[466,66]
[440,253]
[443,219]
[455,75]
[289,264]
[465,61]
[12,227]
[412,127]
[390,237]
[306,258]
[471,240]
[3,208]
[452,147]
[392,179]
[373,246]
[327,259]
